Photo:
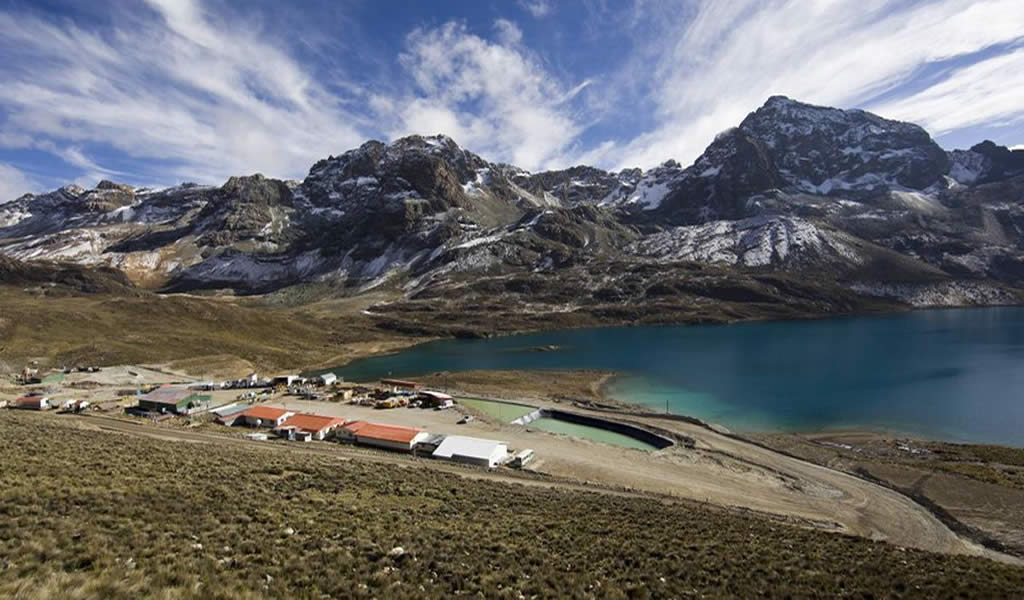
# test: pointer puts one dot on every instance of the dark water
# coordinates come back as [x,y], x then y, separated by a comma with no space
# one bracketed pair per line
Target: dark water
[945,374]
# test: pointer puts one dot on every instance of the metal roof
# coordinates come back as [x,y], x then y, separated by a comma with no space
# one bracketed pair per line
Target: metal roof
[437,395]
[167,395]
[229,409]
[459,445]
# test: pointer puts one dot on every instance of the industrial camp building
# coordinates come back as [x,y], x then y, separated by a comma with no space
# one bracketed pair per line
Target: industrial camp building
[472,451]
[266,416]
[389,437]
[317,426]
[168,399]
[230,414]
[32,402]
[399,385]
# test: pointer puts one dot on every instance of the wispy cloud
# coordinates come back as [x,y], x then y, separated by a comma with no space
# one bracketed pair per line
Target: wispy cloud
[200,96]
[537,8]
[492,97]
[985,93]
[14,183]
[717,61]
[169,90]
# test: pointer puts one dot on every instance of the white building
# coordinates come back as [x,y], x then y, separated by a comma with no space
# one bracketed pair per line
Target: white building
[286,380]
[327,379]
[473,451]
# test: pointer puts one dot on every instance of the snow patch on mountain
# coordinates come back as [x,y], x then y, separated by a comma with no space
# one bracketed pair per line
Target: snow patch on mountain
[754,242]
[942,293]
[649,194]
[967,166]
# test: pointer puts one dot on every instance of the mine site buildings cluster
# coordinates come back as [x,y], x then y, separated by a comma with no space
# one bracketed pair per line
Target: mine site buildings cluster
[193,398]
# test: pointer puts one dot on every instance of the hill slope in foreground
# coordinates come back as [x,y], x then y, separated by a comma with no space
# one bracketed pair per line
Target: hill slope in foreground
[95,514]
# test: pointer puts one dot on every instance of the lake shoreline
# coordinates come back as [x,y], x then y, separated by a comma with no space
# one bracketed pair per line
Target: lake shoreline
[944,374]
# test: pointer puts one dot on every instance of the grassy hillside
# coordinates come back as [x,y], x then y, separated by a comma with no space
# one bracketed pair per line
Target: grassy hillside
[112,329]
[91,514]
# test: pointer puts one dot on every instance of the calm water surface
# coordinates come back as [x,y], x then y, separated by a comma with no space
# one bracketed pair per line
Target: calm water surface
[509,412]
[949,374]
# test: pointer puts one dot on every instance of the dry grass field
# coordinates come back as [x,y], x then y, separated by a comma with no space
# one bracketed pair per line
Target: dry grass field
[92,514]
[204,333]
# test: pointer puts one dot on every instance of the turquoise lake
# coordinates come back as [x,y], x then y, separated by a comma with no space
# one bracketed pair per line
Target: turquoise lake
[953,374]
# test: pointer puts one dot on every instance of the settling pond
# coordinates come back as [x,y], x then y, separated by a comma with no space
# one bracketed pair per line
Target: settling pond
[953,374]
[507,412]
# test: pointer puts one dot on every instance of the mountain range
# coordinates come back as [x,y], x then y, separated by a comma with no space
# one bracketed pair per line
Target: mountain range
[800,209]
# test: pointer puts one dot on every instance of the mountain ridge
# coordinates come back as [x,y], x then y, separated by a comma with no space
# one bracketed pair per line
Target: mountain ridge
[842,196]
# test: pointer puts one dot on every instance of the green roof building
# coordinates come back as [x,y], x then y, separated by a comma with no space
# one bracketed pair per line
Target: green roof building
[178,400]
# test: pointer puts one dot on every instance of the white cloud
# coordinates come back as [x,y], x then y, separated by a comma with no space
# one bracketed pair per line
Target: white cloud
[509,34]
[715,62]
[537,8]
[494,98]
[14,183]
[985,93]
[210,97]
[1017,147]
[189,93]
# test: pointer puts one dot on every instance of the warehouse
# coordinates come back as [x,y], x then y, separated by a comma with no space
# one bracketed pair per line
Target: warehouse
[430,399]
[472,451]
[32,402]
[390,437]
[317,426]
[230,414]
[327,379]
[266,416]
[169,399]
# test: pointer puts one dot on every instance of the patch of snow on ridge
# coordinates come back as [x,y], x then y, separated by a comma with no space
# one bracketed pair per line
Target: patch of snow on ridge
[917,202]
[754,242]
[487,239]
[10,214]
[967,166]
[943,293]
[649,194]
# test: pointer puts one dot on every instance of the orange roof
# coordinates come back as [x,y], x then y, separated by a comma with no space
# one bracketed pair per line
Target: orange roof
[266,412]
[390,433]
[355,426]
[312,423]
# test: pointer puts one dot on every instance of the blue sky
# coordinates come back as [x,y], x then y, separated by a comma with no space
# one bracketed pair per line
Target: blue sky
[154,92]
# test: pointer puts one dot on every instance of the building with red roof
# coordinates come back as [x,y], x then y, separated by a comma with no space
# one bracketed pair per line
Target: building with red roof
[32,402]
[266,416]
[390,437]
[317,426]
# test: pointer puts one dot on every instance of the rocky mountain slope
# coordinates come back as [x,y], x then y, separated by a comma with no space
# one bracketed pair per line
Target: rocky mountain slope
[841,199]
